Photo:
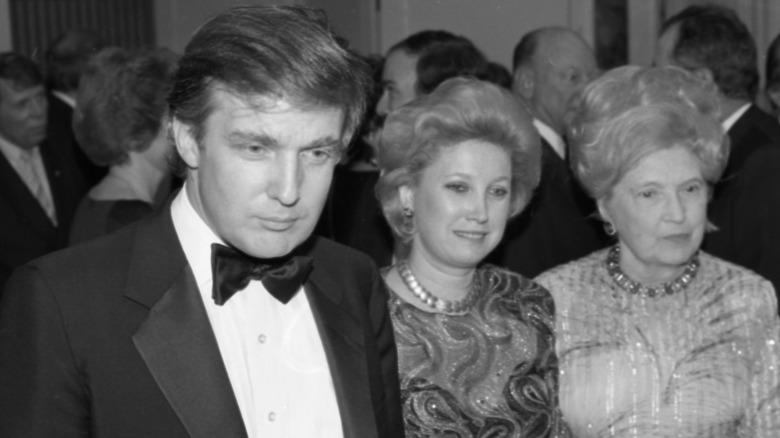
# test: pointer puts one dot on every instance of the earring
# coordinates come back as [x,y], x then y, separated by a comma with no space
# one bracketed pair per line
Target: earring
[609,228]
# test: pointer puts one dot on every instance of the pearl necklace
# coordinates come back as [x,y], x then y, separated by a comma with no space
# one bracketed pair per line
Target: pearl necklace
[636,288]
[434,302]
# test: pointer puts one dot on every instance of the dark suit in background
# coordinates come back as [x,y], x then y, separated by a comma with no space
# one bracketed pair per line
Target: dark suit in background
[354,217]
[115,332]
[60,133]
[745,206]
[558,225]
[26,232]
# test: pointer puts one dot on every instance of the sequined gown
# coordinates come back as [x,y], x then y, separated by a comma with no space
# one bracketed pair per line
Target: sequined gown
[700,363]
[489,373]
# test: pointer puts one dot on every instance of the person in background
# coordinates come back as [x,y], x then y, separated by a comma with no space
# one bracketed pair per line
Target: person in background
[655,336]
[219,315]
[120,116]
[550,66]
[66,58]
[475,344]
[40,184]
[714,44]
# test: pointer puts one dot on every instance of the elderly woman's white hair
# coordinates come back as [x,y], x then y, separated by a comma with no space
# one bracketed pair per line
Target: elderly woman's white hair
[631,112]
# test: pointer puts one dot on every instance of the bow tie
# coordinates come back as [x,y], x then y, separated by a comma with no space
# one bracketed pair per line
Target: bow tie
[232,270]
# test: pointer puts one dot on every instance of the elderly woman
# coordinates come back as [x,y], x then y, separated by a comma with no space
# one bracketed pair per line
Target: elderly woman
[119,122]
[475,344]
[655,337]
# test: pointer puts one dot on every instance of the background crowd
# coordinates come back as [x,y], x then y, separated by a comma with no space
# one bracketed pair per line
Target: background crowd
[567,251]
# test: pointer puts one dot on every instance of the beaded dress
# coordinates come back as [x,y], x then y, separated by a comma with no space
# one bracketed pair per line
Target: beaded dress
[490,372]
[702,362]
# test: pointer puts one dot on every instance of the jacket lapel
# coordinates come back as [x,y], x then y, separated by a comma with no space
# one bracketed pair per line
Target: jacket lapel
[176,340]
[343,340]
[17,193]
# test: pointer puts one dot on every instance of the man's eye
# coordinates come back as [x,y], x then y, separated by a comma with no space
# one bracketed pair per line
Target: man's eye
[648,194]
[319,155]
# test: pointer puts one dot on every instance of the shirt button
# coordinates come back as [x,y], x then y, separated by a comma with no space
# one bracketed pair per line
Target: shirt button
[261,339]
[271,416]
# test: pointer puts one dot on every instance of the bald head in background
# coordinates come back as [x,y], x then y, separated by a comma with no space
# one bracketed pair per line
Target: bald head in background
[550,65]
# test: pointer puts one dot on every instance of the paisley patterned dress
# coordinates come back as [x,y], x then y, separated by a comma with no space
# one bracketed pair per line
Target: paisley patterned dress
[491,372]
[700,363]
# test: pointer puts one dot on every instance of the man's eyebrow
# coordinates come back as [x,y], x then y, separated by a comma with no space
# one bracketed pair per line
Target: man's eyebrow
[325,142]
[255,137]
[268,141]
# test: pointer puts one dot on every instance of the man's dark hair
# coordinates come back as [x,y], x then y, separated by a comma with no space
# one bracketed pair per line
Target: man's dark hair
[20,70]
[279,52]
[715,38]
[417,43]
[456,58]
[68,55]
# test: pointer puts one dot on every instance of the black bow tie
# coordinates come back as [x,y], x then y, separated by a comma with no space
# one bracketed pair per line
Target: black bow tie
[232,271]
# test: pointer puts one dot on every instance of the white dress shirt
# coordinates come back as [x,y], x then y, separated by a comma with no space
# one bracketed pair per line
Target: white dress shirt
[732,119]
[28,164]
[552,137]
[272,352]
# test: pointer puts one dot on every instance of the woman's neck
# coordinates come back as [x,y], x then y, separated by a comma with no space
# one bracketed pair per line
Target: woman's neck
[646,274]
[135,179]
[445,282]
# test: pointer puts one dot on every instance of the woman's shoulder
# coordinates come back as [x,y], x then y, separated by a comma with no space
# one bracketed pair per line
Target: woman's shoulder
[736,283]
[579,272]
[497,275]
[514,287]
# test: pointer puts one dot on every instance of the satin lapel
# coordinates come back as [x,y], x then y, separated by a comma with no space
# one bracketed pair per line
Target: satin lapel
[176,340]
[343,340]
[17,193]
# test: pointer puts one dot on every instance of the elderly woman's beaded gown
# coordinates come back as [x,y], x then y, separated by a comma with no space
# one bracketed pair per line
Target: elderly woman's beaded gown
[699,363]
[488,373]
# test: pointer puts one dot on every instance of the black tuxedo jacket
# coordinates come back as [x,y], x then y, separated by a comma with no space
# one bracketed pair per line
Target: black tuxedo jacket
[556,227]
[26,232]
[111,339]
[746,201]
[60,132]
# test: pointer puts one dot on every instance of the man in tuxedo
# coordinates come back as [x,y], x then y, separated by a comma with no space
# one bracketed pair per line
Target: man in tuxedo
[713,43]
[39,185]
[550,66]
[220,316]
[66,59]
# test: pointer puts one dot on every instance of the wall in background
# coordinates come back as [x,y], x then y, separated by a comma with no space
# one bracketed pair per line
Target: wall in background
[495,26]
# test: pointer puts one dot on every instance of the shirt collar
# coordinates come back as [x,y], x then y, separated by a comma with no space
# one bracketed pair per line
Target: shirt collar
[552,137]
[65,98]
[196,238]
[13,152]
[732,119]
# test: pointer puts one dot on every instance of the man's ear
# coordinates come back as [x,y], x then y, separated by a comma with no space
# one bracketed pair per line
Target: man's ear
[185,143]
[704,74]
[523,82]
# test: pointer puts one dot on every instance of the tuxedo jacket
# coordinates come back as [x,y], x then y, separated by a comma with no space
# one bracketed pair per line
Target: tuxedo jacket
[60,132]
[111,339]
[557,226]
[745,205]
[26,232]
